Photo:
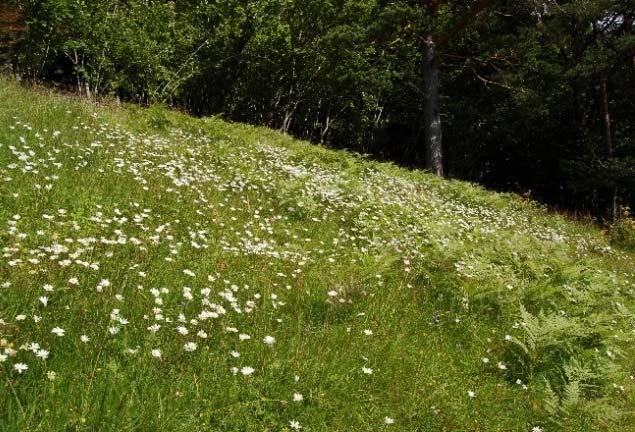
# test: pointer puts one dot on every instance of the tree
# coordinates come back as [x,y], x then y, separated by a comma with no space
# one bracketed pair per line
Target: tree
[433,41]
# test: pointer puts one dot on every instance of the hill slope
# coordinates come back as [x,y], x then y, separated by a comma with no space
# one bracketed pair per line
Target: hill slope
[160,272]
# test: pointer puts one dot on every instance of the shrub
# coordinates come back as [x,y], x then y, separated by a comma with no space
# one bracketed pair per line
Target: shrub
[622,230]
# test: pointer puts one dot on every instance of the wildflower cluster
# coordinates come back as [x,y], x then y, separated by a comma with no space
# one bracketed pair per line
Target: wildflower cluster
[270,272]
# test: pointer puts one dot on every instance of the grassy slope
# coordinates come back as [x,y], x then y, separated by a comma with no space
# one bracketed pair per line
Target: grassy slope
[439,271]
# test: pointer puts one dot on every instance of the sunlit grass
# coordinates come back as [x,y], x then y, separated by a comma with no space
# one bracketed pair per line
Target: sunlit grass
[161,272]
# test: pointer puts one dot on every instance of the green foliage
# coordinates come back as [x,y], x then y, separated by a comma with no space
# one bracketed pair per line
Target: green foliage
[136,50]
[158,118]
[622,230]
[294,241]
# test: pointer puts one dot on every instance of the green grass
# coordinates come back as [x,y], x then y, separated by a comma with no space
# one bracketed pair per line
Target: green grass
[311,246]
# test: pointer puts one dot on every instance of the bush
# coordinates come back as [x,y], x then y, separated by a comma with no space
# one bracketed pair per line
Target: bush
[140,51]
[622,230]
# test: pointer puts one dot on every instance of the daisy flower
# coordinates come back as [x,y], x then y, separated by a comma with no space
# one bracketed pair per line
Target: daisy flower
[20,367]
[58,331]
[247,370]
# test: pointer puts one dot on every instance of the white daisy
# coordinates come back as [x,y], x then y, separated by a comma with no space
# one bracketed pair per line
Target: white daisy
[247,370]
[58,331]
[190,346]
[20,367]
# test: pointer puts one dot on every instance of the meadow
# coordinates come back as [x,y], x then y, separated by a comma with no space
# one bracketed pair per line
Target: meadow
[163,272]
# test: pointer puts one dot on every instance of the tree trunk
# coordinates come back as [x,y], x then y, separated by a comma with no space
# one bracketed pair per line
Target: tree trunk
[324,130]
[606,118]
[608,139]
[431,114]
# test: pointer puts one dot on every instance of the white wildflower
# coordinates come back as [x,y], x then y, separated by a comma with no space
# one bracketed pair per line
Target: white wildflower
[58,331]
[20,367]
[190,346]
[247,370]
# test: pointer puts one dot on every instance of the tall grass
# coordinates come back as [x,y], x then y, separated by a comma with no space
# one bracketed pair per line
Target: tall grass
[160,272]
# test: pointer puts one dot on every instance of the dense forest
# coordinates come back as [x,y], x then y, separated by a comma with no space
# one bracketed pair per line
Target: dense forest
[532,96]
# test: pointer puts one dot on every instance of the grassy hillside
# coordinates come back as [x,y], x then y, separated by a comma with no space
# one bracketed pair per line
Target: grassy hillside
[161,272]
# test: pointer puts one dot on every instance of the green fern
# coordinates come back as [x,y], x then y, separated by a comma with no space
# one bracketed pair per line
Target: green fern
[569,355]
